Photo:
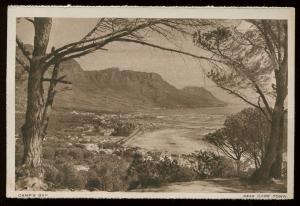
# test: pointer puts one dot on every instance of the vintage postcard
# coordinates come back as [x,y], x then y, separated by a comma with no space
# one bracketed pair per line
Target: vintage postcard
[150,102]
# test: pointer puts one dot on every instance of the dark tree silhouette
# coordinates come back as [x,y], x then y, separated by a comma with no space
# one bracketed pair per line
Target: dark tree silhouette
[245,135]
[250,58]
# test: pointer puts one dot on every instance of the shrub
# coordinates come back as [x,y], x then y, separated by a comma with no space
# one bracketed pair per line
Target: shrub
[61,152]
[168,169]
[87,154]
[49,153]
[208,164]
[111,171]
[107,145]
[52,174]
[186,174]
[72,178]
[153,171]
[122,128]
[93,183]
[76,154]
[146,174]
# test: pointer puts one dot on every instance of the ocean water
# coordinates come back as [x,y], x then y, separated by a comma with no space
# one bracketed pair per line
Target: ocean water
[183,130]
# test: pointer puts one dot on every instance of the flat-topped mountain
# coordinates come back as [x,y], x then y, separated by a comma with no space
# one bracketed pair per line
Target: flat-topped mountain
[117,90]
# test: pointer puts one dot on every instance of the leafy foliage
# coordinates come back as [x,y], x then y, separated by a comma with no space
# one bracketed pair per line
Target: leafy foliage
[208,165]
[244,134]
[244,61]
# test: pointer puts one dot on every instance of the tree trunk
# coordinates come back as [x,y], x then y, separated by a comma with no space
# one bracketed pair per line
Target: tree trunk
[238,167]
[32,128]
[256,161]
[262,175]
[281,72]
[276,169]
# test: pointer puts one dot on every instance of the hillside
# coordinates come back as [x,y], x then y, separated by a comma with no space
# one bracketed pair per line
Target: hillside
[205,95]
[115,90]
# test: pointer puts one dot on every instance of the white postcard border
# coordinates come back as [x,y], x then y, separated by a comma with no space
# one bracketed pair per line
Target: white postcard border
[145,12]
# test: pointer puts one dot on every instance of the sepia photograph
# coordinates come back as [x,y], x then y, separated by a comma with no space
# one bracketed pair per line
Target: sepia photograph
[150,102]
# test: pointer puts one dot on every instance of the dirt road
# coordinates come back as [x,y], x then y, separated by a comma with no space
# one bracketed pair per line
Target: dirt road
[218,185]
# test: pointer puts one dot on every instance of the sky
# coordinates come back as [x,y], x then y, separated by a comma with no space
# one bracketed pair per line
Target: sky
[179,70]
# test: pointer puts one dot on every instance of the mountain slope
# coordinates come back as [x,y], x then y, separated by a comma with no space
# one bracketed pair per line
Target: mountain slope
[116,90]
[204,94]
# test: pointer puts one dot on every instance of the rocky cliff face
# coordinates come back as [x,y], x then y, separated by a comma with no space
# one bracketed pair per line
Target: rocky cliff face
[116,90]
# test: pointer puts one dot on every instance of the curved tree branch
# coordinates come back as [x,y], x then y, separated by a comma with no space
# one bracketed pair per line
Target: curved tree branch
[95,42]
[239,96]
[259,91]
[262,110]
[80,54]
[167,49]
[243,67]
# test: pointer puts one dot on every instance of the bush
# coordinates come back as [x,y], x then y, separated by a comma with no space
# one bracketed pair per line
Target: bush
[49,153]
[52,174]
[76,154]
[111,171]
[145,174]
[208,164]
[122,128]
[153,171]
[168,169]
[72,178]
[186,174]
[87,154]
[93,183]
[61,152]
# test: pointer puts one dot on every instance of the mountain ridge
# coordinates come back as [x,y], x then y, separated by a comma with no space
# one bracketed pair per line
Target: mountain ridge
[114,89]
